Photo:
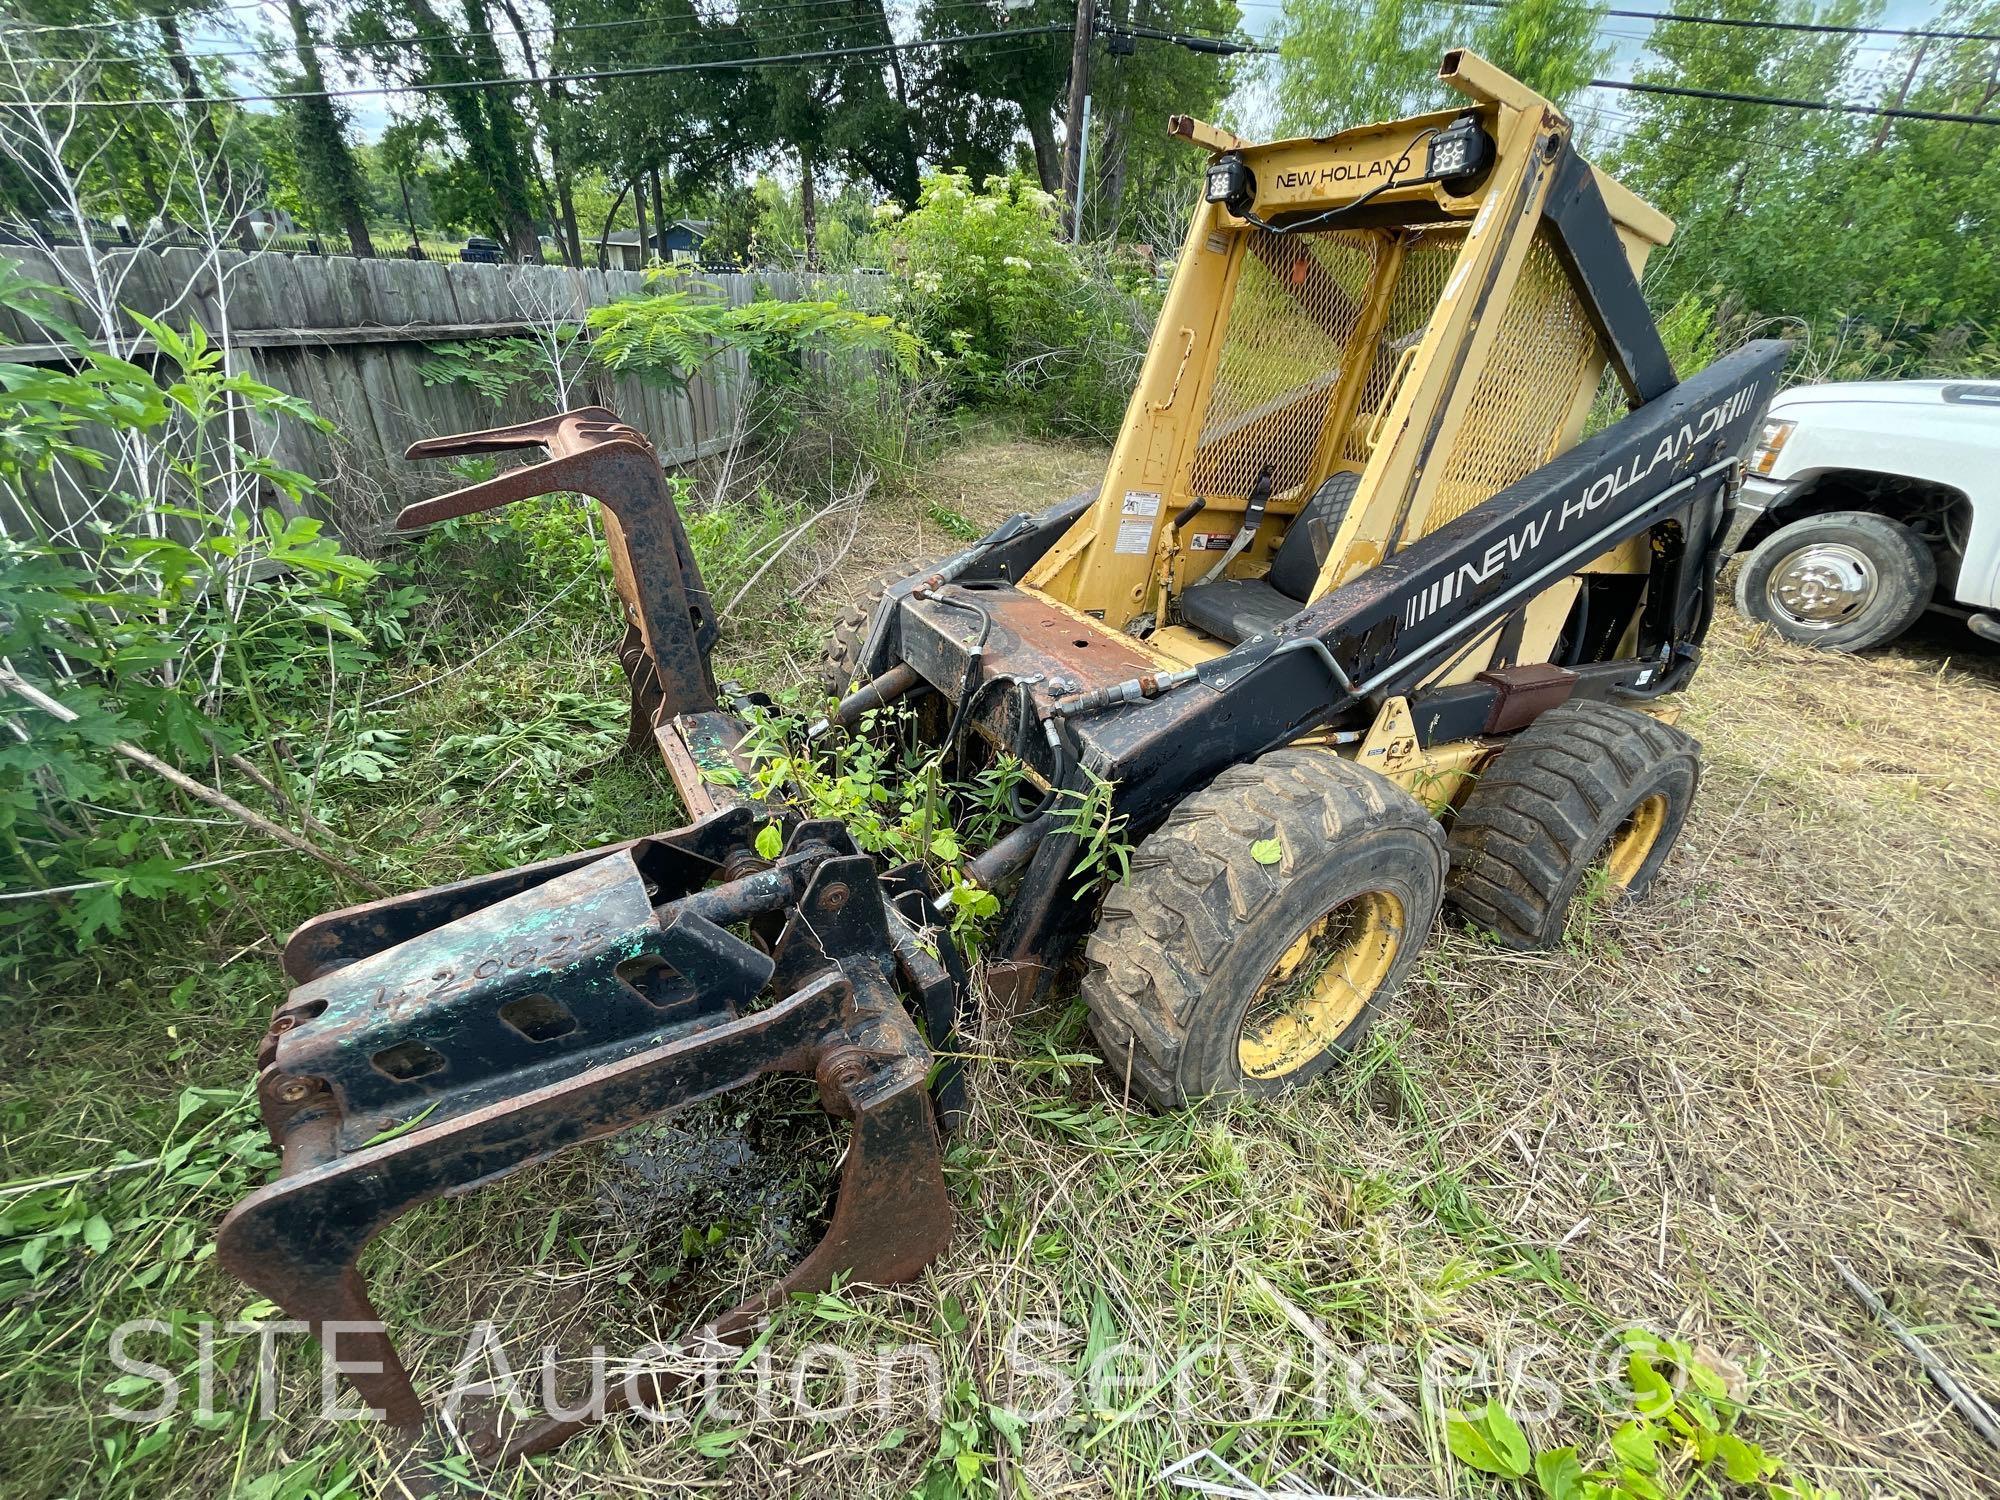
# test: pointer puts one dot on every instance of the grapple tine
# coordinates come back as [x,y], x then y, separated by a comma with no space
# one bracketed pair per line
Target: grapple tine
[670,620]
[560,1009]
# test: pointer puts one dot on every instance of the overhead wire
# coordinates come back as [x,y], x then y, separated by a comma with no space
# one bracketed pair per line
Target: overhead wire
[1832,106]
[343,47]
[1017,33]
[1659,17]
[588,75]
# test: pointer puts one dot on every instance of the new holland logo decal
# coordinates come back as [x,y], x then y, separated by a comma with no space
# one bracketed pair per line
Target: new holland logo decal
[1559,516]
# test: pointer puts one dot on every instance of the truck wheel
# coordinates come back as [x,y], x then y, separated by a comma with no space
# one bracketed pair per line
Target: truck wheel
[1585,786]
[1844,581]
[1213,972]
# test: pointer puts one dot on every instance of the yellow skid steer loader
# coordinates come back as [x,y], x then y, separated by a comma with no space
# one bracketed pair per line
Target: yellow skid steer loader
[1354,567]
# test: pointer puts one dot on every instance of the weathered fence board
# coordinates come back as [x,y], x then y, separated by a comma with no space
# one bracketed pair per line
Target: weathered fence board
[348,337]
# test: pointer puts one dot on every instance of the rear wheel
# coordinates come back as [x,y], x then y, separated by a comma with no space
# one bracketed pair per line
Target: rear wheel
[1266,922]
[1843,582]
[1587,786]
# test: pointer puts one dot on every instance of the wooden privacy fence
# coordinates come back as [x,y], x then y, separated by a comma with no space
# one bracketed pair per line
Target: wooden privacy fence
[347,336]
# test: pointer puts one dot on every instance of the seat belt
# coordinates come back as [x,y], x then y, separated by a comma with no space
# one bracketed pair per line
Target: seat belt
[1253,517]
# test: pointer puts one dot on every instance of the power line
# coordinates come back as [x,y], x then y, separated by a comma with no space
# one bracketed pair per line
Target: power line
[120,21]
[1220,46]
[1665,17]
[1194,41]
[1820,27]
[592,75]
[505,33]
[1682,91]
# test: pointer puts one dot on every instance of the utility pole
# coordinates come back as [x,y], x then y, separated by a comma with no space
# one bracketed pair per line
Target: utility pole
[1079,109]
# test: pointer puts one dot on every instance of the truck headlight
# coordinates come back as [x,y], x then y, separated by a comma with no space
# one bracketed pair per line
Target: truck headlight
[1770,443]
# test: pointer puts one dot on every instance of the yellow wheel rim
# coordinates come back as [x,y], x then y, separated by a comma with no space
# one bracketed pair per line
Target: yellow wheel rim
[1632,843]
[1323,981]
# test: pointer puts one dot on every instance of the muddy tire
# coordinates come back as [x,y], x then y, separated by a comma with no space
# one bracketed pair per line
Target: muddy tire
[1585,785]
[1842,582]
[841,657]
[1212,973]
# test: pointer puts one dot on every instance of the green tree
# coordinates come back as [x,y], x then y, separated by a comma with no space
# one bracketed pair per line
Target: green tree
[156,166]
[976,97]
[840,112]
[1342,64]
[331,179]
[1141,180]
[1552,46]
[487,121]
[693,129]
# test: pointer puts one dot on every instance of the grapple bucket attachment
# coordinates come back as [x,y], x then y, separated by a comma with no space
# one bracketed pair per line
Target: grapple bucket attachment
[440,1040]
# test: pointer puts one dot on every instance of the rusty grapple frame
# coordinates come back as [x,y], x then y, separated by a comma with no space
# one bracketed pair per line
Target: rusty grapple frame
[1354,566]
[439,1040]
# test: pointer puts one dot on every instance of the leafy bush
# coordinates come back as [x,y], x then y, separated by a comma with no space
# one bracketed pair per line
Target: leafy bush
[186,614]
[681,327]
[1014,315]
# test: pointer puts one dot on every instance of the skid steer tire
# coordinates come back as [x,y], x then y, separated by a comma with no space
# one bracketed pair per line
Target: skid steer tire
[841,658]
[1584,785]
[1204,930]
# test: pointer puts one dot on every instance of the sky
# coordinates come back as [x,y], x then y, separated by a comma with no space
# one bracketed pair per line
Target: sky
[1602,109]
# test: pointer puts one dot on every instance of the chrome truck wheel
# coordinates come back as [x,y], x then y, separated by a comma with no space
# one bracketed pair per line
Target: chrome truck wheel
[1842,582]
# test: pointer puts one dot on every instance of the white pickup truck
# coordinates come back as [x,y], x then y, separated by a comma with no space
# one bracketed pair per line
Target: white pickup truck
[1868,503]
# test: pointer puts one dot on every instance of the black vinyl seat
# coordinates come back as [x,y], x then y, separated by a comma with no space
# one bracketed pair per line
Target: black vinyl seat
[1235,609]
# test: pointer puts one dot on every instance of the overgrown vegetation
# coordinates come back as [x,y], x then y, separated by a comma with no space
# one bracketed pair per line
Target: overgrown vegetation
[1664,1123]
[1013,315]
[187,615]
[1389,1208]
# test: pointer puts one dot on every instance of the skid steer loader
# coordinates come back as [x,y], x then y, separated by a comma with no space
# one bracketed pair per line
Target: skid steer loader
[1350,571]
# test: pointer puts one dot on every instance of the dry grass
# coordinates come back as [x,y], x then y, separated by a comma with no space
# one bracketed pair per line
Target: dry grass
[1791,1049]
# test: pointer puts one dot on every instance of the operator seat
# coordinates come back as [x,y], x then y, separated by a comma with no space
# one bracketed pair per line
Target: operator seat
[1235,609]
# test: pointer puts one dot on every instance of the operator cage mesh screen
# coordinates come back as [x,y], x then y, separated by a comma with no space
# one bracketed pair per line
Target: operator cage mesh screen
[1291,334]
[1292,319]
[1543,355]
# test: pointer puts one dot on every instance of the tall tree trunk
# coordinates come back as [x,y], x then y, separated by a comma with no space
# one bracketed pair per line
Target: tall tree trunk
[566,206]
[604,234]
[215,181]
[906,140]
[409,218]
[1916,62]
[809,207]
[639,207]
[322,143]
[483,118]
[149,178]
[553,111]
[659,210]
[1114,144]
[1042,136]
[508,154]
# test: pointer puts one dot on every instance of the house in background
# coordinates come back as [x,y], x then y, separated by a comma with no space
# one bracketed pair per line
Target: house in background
[680,240]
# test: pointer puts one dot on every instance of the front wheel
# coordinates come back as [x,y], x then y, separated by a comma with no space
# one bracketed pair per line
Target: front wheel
[1266,922]
[840,658]
[1842,582]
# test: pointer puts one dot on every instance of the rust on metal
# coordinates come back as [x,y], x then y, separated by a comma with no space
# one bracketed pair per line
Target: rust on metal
[667,606]
[592,995]
[437,1041]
